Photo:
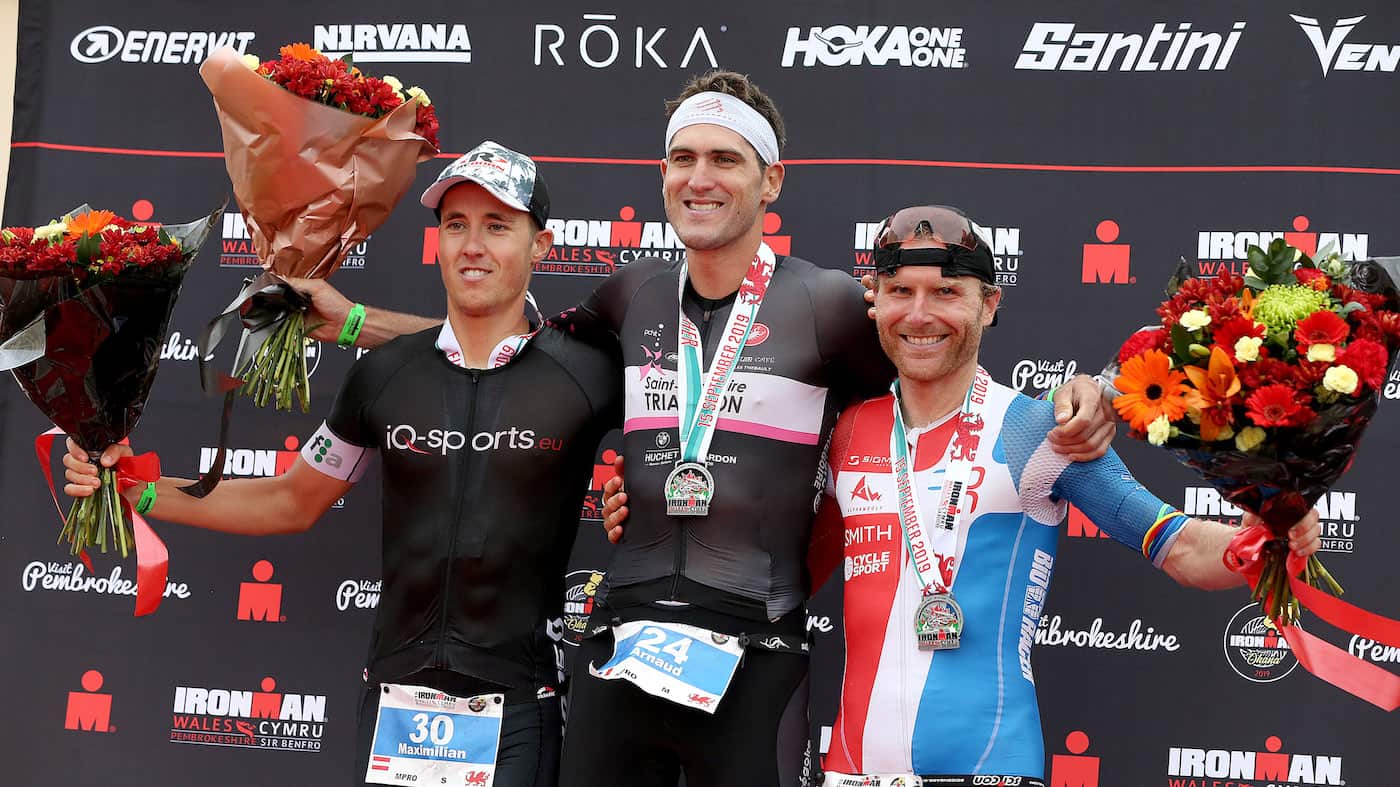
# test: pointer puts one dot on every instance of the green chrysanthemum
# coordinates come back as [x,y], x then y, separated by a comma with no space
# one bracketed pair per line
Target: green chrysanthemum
[1281,306]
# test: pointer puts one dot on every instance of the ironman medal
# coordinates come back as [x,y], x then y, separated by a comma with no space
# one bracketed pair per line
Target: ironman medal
[939,622]
[689,488]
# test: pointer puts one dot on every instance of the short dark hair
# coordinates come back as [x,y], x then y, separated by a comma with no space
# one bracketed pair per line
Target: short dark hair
[739,86]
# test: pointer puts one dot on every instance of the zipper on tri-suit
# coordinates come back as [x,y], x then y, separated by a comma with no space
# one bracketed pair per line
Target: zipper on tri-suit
[456,522]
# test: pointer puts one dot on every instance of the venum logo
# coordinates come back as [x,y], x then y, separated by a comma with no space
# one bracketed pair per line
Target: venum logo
[1041,375]
[1334,54]
[1004,242]
[264,719]
[1272,765]
[101,43]
[396,43]
[1059,46]
[1255,649]
[1219,251]
[875,45]
[600,45]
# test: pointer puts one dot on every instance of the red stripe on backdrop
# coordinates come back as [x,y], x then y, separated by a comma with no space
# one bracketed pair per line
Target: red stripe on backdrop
[879,162]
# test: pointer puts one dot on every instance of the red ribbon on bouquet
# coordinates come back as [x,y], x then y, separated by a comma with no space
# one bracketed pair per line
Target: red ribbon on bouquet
[1362,679]
[152,558]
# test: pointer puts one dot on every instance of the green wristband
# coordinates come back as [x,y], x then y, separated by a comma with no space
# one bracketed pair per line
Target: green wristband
[354,321]
[148,499]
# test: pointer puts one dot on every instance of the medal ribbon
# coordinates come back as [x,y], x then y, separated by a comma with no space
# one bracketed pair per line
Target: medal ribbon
[700,395]
[925,556]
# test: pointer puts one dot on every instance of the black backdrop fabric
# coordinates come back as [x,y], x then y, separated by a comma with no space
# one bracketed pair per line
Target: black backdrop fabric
[1098,142]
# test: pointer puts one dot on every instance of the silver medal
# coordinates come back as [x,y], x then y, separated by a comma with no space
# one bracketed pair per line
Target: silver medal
[689,489]
[939,622]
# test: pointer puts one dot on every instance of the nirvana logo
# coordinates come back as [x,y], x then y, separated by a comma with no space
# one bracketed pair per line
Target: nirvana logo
[396,43]
[265,719]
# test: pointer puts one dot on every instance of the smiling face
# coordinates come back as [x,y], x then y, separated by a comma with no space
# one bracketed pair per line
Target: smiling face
[715,188]
[931,325]
[486,250]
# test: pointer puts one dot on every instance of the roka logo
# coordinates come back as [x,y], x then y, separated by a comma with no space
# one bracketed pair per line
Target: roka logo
[875,45]
[600,46]
[1333,54]
[103,42]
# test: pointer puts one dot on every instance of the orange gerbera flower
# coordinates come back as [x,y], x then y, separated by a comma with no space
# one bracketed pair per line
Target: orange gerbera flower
[1150,388]
[1215,387]
[304,52]
[90,223]
[1247,303]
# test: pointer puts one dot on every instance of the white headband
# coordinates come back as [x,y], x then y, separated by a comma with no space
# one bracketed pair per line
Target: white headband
[722,109]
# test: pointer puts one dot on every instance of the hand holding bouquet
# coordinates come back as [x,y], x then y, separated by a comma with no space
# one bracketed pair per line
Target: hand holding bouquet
[319,153]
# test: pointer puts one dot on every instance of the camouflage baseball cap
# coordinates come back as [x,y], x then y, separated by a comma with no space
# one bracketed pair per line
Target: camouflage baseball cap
[511,177]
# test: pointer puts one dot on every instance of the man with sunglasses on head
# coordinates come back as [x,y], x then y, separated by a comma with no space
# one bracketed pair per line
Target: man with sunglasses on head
[949,553]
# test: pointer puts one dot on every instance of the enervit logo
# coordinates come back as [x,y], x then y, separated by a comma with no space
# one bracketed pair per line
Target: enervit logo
[88,709]
[1005,243]
[1276,768]
[252,462]
[875,45]
[580,587]
[1058,46]
[261,599]
[73,578]
[598,246]
[1052,631]
[1255,649]
[103,42]
[1041,375]
[358,594]
[602,43]
[237,250]
[396,43]
[404,437]
[1336,510]
[1378,652]
[1333,53]
[1218,251]
[264,719]
[1106,262]
[1075,769]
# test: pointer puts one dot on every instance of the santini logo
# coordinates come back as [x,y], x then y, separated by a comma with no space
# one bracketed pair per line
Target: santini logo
[1057,46]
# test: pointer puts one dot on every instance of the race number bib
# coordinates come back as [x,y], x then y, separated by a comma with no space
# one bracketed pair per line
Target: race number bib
[425,736]
[684,664]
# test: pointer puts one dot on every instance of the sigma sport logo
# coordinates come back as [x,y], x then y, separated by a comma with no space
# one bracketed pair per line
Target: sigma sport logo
[1218,251]
[1255,649]
[262,719]
[1274,767]
[1061,46]
[403,437]
[358,594]
[1005,243]
[1336,510]
[237,250]
[598,247]
[1041,375]
[1334,54]
[580,588]
[601,42]
[101,43]
[875,45]
[252,462]
[396,43]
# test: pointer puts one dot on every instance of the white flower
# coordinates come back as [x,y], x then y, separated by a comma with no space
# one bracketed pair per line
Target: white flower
[1322,352]
[393,82]
[252,62]
[416,93]
[1159,430]
[1249,438]
[1247,348]
[1195,320]
[51,231]
[1341,379]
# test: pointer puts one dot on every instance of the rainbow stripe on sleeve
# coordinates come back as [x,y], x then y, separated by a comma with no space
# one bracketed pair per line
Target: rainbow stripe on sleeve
[1158,539]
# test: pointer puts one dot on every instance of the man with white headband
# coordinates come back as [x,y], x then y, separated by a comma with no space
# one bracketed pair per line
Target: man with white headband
[737,362]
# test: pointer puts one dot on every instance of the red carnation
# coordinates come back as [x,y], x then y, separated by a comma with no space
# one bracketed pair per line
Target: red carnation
[1368,359]
[1314,278]
[1321,327]
[1141,342]
[1277,405]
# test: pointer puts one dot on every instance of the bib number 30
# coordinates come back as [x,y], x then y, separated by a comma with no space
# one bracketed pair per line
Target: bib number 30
[425,736]
[687,665]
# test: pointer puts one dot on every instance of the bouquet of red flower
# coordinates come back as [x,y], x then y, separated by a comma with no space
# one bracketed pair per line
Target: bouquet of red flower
[1264,385]
[319,153]
[84,304]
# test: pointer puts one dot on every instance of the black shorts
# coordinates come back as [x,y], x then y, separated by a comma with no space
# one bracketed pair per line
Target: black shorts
[531,729]
[620,736]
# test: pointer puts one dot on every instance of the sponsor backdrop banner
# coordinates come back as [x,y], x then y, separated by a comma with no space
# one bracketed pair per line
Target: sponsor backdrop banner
[1097,143]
